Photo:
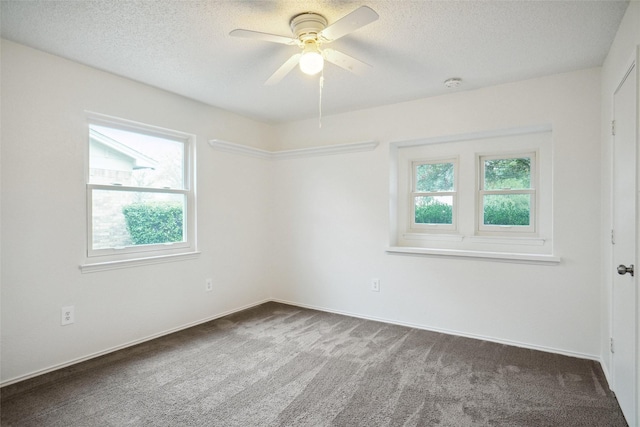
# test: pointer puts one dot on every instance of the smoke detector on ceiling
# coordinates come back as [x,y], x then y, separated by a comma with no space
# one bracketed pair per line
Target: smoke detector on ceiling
[453,82]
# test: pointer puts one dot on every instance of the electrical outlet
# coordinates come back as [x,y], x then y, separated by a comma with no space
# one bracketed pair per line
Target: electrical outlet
[375,285]
[208,285]
[68,315]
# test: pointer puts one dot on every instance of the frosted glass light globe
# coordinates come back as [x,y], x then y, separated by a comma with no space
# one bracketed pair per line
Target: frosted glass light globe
[311,61]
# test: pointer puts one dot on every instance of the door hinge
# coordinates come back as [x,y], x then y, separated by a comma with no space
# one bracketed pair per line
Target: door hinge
[611,345]
[613,127]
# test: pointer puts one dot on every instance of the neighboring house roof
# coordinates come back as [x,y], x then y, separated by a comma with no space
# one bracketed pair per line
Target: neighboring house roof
[140,161]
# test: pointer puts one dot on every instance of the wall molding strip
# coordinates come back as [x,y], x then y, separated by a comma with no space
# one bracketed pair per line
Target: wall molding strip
[244,150]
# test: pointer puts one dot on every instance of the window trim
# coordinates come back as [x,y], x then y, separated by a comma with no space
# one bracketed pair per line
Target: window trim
[482,229]
[108,258]
[421,227]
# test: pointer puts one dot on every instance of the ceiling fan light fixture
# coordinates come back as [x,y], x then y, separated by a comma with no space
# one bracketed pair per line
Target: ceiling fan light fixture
[311,61]
[310,30]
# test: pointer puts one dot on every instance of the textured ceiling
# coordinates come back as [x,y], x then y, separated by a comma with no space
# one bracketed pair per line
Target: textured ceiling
[184,46]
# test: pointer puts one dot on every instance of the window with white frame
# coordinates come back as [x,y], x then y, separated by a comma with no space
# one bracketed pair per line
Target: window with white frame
[433,195]
[140,191]
[507,193]
[489,192]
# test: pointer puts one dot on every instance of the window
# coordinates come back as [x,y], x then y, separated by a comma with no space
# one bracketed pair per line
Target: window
[476,193]
[507,193]
[140,191]
[433,196]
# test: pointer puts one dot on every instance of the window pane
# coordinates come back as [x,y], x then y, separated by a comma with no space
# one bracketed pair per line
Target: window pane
[434,210]
[507,173]
[434,177]
[133,159]
[507,209]
[128,218]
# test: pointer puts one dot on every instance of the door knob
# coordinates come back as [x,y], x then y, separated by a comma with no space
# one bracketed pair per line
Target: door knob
[623,269]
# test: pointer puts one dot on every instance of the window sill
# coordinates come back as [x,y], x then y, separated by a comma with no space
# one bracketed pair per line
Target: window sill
[128,263]
[496,256]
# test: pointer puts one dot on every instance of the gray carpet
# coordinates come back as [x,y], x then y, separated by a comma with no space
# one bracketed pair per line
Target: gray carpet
[279,365]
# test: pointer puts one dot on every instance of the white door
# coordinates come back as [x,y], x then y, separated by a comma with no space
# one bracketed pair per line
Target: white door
[624,302]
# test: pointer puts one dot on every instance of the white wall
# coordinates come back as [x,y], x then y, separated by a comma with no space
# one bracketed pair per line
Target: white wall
[616,64]
[44,139]
[333,222]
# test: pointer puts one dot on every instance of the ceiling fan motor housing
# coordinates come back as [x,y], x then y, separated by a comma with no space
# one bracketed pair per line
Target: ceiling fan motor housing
[306,26]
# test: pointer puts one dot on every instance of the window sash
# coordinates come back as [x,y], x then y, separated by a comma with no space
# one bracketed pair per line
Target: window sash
[434,227]
[499,228]
[417,164]
[168,247]
[532,168]
[530,228]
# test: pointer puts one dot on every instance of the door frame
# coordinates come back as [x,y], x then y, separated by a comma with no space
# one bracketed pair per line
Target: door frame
[632,66]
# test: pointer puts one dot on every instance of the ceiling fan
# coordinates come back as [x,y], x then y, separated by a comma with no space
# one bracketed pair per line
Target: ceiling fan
[311,32]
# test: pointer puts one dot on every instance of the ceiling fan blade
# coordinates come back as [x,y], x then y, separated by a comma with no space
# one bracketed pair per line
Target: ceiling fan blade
[357,19]
[345,61]
[248,34]
[284,69]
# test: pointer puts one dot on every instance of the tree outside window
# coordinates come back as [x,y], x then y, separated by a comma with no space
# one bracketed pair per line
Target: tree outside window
[507,194]
[434,194]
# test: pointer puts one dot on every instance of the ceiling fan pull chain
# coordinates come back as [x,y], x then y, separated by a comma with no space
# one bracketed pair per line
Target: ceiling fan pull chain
[320,100]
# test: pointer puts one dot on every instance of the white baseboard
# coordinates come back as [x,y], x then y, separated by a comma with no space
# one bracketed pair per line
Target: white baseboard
[129,344]
[449,332]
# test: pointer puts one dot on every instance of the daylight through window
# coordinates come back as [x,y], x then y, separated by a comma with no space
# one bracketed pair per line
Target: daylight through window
[433,195]
[507,193]
[140,191]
